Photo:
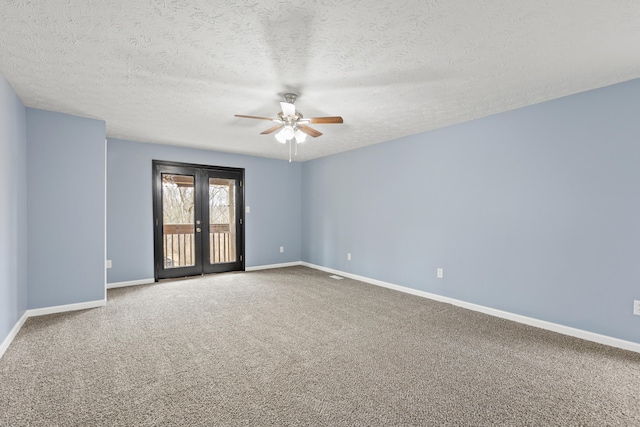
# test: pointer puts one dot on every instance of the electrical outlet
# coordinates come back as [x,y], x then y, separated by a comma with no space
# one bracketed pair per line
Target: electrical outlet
[440,273]
[107,263]
[281,249]
[349,256]
[636,307]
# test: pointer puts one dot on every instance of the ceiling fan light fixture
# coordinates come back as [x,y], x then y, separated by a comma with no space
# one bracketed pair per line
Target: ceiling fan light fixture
[280,137]
[300,136]
[285,134]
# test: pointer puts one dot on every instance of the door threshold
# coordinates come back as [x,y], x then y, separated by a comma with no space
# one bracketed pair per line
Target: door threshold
[178,279]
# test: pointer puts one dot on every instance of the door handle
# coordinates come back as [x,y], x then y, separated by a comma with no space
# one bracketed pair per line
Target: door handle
[198,229]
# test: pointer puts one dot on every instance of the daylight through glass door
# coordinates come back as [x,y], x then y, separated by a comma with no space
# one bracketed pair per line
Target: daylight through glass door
[222,220]
[198,218]
[178,231]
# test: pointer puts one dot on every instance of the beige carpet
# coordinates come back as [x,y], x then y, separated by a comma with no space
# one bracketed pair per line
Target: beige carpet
[293,347]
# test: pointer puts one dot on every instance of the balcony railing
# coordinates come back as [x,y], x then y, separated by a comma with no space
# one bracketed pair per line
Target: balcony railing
[179,245]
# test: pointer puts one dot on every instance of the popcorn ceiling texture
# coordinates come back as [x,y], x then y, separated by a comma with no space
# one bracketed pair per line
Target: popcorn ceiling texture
[176,72]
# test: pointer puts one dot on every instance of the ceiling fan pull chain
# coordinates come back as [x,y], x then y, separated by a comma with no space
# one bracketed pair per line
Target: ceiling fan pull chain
[289,151]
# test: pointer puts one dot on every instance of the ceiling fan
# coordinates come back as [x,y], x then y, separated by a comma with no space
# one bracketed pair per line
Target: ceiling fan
[291,124]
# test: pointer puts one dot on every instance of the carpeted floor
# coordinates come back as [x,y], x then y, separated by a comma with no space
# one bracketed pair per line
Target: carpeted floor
[291,347]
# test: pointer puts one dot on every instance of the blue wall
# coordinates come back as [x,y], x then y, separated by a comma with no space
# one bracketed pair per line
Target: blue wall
[272,191]
[535,211]
[66,208]
[13,209]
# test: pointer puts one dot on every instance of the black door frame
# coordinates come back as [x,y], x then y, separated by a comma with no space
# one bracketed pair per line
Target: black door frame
[201,175]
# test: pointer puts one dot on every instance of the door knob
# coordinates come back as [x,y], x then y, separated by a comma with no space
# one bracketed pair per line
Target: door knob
[198,229]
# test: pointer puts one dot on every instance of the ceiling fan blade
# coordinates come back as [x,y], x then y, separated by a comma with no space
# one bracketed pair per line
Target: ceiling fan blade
[288,109]
[253,117]
[271,130]
[325,120]
[309,131]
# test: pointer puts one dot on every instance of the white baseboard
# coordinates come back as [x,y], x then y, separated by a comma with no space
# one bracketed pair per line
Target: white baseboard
[130,283]
[66,307]
[269,266]
[43,311]
[12,334]
[566,330]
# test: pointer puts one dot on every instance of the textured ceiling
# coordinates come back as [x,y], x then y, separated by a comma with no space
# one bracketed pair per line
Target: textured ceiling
[176,71]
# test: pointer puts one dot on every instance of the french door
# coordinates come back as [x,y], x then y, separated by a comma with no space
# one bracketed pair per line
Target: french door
[198,217]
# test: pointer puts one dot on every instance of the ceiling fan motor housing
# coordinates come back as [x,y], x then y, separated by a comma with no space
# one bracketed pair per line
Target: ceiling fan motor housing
[290,98]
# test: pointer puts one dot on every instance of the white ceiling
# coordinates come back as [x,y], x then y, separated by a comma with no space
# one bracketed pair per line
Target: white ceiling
[176,71]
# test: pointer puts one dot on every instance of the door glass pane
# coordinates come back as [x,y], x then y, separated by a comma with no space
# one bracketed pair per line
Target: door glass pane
[222,220]
[177,217]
